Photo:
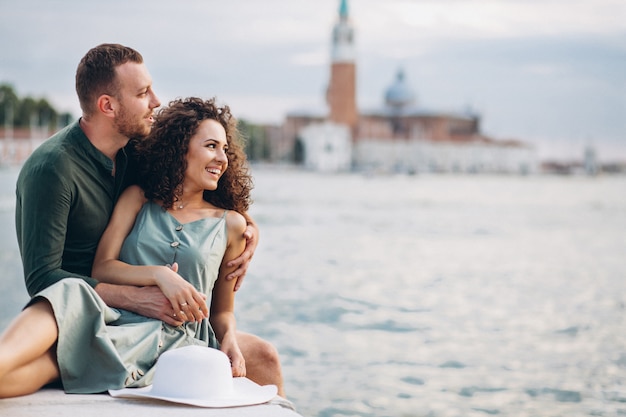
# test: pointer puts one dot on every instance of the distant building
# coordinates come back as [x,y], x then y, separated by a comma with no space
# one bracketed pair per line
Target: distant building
[591,166]
[399,136]
[341,93]
[328,147]
[16,144]
[404,136]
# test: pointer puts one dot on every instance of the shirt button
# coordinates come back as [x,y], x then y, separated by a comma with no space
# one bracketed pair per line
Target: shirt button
[179,227]
[174,244]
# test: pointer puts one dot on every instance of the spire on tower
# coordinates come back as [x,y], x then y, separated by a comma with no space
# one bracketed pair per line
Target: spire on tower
[343,36]
[343,9]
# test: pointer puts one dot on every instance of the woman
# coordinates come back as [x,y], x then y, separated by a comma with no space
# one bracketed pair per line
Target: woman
[172,230]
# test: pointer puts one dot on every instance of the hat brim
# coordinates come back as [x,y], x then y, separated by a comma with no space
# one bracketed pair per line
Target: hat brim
[246,392]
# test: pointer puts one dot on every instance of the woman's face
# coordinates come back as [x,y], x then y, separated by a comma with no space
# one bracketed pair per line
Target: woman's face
[206,157]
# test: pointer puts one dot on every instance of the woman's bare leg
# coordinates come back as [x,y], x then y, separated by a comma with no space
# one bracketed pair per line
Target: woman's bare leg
[262,361]
[27,359]
[31,377]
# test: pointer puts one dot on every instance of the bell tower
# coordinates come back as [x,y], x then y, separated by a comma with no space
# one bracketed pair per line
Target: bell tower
[341,93]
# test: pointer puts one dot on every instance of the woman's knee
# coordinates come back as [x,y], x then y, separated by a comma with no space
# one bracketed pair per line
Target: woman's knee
[256,349]
[267,351]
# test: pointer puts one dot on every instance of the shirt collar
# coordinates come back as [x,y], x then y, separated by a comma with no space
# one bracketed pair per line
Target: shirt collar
[82,142]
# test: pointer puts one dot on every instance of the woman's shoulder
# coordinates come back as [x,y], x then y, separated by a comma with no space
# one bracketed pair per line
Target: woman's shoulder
[235,222]
[132,196]
[134,192]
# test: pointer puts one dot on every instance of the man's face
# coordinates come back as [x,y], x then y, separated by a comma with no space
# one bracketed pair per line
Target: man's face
[136,101]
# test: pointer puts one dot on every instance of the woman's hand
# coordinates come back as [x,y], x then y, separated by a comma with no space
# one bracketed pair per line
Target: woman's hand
[237,362]
[188,303]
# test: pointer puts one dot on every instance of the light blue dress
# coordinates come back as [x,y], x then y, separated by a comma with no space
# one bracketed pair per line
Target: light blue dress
[102,348]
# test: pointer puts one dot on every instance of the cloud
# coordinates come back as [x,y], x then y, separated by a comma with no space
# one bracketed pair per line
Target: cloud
[314,58]
[404,30]
[488,18]
[536,68]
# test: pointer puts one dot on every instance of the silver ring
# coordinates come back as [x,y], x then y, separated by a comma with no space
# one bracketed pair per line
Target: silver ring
[183,304]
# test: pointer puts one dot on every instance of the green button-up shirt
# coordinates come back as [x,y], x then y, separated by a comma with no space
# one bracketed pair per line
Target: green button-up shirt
[65,197]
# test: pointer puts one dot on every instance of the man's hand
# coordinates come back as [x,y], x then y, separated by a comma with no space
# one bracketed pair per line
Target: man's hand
[243,261]
[153,303]
[147,301]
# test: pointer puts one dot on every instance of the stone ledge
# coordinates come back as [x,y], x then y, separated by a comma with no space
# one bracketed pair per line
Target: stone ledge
[50,402]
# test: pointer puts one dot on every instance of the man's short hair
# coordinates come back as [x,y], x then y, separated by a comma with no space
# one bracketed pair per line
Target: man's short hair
[95,74]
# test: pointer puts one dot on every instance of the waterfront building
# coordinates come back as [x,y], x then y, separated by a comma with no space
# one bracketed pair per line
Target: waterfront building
[401,135]
[16,144]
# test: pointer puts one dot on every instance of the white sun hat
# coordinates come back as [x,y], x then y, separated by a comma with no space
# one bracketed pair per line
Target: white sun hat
[199,376]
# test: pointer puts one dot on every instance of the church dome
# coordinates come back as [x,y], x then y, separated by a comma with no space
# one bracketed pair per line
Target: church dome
[399,94]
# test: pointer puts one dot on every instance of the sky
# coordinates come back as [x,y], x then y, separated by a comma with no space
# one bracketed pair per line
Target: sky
[548,72]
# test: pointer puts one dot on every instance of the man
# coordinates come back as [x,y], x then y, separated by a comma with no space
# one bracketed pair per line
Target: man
[67,189]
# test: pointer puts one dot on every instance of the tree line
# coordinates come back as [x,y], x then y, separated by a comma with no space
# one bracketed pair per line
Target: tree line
[30,112]
[27,112]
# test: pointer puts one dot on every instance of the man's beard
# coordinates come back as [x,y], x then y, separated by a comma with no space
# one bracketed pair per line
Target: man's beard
[131,127]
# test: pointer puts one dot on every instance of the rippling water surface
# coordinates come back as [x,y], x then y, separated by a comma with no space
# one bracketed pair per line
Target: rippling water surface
[431,295]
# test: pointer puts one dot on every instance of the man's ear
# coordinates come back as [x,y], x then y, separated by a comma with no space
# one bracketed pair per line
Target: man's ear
[107,105]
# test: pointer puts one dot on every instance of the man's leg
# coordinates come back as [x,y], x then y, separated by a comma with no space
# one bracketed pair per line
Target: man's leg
[262,361]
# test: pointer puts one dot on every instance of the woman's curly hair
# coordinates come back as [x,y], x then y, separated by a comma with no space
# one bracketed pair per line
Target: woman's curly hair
[162,156]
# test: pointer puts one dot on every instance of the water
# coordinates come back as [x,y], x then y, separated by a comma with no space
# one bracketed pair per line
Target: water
[431,295]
